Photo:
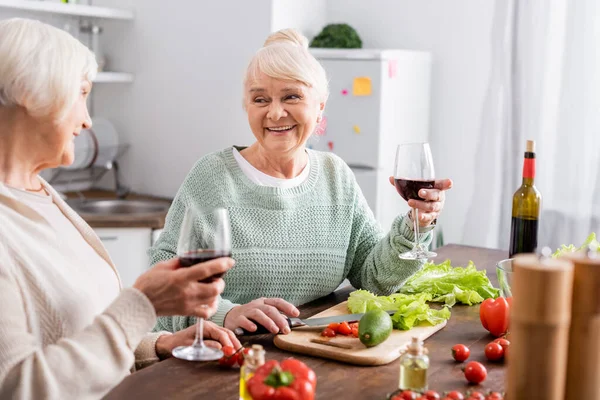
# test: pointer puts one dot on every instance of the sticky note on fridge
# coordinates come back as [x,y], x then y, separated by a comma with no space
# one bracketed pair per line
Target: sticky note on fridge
[392,68]
[356,129]
[361,86]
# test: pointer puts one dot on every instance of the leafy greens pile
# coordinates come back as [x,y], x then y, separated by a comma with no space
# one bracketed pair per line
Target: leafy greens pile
[590,242]
[434,283]
[411,309]
[449,285]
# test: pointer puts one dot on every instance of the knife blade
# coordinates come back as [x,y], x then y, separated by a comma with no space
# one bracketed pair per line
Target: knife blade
[298,322]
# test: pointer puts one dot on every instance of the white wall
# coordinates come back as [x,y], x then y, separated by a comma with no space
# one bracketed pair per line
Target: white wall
[185,102]
[308,16]
[458,35]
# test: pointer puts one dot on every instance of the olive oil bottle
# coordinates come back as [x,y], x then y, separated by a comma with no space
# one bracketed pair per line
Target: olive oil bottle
[526,207]
[414,364]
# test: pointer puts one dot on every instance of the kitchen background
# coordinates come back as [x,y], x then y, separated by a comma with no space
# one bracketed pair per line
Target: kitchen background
[188,59]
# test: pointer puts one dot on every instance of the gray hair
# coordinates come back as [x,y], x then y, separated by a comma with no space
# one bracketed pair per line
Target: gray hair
[285,55]
[42,67]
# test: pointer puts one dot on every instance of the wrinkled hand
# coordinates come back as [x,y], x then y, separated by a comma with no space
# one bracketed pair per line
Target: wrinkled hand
[266,312]
[214,336]
[178,291]
[433,201]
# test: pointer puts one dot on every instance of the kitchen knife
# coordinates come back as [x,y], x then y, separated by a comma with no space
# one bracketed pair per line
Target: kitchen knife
[297,322]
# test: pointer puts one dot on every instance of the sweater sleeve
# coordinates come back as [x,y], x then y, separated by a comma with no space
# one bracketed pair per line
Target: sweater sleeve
[85,365]
[372,261]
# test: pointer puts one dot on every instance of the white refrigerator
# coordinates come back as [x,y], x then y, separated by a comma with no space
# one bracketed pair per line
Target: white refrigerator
[378,99]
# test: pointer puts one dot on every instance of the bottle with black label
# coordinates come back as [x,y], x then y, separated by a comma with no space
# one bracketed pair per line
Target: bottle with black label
[526,207]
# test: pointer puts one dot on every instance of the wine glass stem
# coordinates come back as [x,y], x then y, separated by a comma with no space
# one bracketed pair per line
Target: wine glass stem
[416,228]
[199,341]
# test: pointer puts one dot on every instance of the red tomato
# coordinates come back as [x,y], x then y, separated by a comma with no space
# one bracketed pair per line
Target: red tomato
[494,396]
[503,342]
[408,395]
[476,396]
[494,351]
[328,332]
[334,326]
[494,315]
[431,395]
[344,328]
[241,355]
[455,395]
[355,332]
[475,372]
[229,358]
[354,325]
[460,352]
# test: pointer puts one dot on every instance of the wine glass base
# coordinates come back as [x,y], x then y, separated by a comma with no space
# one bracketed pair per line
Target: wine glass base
[417,255]
[197,353]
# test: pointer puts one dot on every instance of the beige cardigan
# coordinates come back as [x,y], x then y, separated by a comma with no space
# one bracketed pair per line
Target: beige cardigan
[36,361]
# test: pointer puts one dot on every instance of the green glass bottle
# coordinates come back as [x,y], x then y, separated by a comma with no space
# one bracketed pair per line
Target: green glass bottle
[526,207]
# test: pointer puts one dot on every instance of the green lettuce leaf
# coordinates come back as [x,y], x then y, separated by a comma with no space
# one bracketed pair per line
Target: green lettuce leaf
[411,309]
[451,285]
[591,241]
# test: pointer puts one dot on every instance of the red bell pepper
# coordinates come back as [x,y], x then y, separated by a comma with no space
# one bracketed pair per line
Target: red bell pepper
[494,315]
[290,380]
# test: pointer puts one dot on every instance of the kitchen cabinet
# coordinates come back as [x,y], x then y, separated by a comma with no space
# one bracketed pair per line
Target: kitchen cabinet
[127,248]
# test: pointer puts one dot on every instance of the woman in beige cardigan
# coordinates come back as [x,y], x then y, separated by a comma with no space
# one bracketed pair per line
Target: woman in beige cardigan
[67,330]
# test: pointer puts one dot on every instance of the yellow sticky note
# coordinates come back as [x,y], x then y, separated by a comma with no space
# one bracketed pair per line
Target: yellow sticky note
[356,129]
[361,86]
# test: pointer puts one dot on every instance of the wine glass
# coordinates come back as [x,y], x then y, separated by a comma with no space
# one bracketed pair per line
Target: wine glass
[204,236]
[413,171]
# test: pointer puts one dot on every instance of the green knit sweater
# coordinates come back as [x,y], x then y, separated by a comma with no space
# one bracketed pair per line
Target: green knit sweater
[296,243]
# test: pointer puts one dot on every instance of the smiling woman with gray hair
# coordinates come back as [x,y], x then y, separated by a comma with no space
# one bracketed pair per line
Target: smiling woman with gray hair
[300,223]
[67,330]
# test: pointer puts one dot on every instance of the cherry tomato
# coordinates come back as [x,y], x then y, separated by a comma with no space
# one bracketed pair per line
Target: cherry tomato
[460,352]
[431,395]
[494,351]
[494,396]
[344,329]
[229,358]
[354,325]
[408,395]
[455,395]
[476,396]
[355,332]
[334,326]
[328,332]
[503,342]
[475,372]
[241,355]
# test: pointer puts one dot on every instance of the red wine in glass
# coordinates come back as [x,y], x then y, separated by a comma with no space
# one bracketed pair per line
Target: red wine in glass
[198,256]
[409,188]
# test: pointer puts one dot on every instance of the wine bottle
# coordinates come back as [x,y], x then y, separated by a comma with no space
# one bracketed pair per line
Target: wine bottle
[526,206]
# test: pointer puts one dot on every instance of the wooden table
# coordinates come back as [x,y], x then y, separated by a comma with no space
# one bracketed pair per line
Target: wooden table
[176,379]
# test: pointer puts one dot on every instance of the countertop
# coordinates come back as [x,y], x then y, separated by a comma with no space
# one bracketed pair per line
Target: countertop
[155,220]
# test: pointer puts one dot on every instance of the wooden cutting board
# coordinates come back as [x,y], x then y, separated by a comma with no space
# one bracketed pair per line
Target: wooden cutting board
[353,351]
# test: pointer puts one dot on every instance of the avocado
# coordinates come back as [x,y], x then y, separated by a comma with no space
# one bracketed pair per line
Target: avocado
[374,327]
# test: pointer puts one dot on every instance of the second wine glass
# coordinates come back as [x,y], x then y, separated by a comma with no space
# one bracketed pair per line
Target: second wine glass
[413,171]
[205,235]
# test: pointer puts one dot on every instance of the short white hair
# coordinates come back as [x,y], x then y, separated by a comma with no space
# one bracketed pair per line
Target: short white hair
[42,67]
[285,56]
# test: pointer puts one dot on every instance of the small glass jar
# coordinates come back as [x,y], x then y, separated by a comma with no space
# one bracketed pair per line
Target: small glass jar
[414,364]
[254,359]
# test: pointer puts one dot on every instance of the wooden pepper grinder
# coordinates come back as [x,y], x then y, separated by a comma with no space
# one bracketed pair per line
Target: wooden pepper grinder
[539,326]
[583,367]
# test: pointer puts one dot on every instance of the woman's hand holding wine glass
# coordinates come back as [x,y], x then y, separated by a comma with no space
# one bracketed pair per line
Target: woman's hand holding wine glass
[414,179]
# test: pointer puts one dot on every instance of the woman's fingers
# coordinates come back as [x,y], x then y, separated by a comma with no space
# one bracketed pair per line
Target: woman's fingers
[426,206]
[260,317]
[285,307]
